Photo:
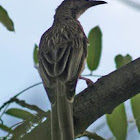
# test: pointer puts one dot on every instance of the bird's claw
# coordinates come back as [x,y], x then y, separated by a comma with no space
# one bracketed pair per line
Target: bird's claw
[88,81]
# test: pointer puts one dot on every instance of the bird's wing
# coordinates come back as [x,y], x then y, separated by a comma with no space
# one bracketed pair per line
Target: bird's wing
[61,57]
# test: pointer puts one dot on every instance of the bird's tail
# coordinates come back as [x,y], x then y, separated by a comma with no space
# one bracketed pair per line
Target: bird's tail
[63,111]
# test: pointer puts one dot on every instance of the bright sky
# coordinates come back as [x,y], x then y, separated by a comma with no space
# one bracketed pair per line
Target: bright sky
[119,25]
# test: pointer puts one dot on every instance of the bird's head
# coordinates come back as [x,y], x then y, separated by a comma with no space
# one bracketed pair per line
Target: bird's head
[74,8]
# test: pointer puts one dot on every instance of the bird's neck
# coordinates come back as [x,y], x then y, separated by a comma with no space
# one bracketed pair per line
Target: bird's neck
[64,18]
[65,14]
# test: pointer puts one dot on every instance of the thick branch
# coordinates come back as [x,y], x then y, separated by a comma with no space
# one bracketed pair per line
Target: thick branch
[107,93]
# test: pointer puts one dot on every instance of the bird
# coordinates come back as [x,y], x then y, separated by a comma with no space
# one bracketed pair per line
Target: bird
[62,55]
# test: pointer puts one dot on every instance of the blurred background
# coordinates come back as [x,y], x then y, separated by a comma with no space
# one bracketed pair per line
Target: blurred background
[119,21]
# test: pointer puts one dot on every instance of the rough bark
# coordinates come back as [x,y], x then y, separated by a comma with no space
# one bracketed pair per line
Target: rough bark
[107,93]
[101,98]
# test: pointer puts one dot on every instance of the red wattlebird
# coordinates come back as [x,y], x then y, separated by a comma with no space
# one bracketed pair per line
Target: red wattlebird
[62,55]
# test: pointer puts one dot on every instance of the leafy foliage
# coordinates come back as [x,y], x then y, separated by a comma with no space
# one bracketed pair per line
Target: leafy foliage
[94,48]
[26,126]
[5,128]
[117,121]
[34,124]
[135,103]
[18,113]
[6,20]
[30,120]
[35,53]
[122,60]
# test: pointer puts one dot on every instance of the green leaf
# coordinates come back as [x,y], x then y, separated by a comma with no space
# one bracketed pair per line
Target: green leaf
[26,126]
[117,122]
[122,60]
[35,55]
[5,19]
[94,48]
[41,131]
[30,125]
[5,128]
[19,113]
[135,103]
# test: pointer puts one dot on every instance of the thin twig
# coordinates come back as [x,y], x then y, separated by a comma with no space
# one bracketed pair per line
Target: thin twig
[92,75]
[27,89]
[8,102]
[4,111]
[31,107]
[12,130]
[90,135]
[16,124]
[1,121]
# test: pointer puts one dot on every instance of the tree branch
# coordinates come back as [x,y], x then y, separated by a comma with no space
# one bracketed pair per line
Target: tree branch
[90,135]
[106,94]
[101,98]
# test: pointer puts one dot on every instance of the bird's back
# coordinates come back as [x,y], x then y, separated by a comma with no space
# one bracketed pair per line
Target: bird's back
[62,50]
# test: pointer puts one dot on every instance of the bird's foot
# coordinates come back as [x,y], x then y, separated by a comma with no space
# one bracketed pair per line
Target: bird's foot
[88,81]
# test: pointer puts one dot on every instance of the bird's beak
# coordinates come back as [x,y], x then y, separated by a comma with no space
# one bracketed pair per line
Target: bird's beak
[94,2]
[90,3]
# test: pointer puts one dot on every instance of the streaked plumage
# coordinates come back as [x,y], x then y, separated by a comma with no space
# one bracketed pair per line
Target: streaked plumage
[62,54]
[63,49]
